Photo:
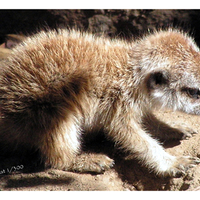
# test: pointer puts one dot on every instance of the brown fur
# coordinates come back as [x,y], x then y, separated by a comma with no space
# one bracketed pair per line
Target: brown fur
[59,85]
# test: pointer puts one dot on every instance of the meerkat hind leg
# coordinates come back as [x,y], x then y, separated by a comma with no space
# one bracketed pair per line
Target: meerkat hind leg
[94,163]
[63,152]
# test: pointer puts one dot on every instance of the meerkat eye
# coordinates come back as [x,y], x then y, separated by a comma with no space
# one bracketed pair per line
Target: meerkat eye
[192,92]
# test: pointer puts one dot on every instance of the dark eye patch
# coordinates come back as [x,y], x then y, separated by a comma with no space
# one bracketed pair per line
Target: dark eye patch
[192,92]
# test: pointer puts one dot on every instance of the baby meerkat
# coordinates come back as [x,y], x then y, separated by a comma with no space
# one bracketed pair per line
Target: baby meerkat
[61,84]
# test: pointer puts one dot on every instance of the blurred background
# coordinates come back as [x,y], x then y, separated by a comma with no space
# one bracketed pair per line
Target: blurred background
[113,23]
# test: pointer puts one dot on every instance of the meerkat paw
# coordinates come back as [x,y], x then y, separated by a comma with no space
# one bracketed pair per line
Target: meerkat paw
[181,132]
[186,132]
[93,163]
[181,165]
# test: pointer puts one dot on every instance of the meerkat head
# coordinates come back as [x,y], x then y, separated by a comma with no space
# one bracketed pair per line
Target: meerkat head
[171,60]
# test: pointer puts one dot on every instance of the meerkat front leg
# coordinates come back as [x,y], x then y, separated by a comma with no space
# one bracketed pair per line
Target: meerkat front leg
[163,131]
[132,139]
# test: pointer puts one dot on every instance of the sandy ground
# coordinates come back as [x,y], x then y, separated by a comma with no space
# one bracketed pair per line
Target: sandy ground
[124,176]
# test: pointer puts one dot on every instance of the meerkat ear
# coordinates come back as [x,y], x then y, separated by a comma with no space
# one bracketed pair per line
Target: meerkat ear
[158,79]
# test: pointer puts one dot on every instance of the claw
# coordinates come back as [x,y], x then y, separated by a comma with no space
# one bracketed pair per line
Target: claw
[182,164]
